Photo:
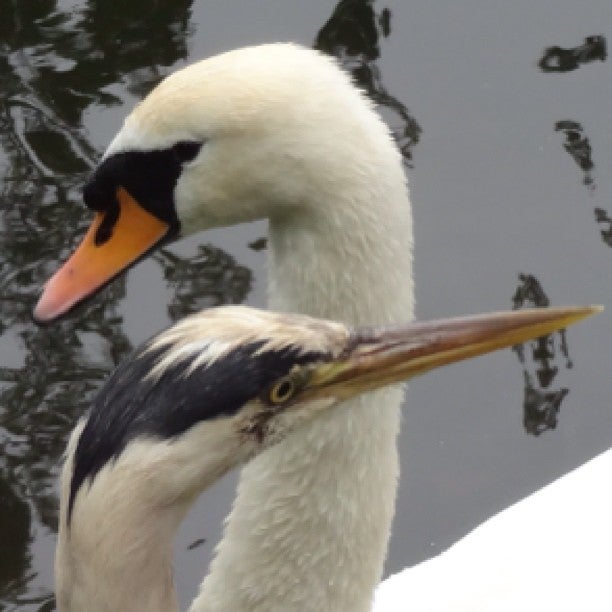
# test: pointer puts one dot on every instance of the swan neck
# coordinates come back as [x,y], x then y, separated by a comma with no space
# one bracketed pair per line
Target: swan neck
[353,264]
[312,516]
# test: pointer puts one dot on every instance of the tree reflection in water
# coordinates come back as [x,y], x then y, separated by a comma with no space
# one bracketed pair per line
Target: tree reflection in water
[541,360]
[353,34]
[579,147]
[558,59]
[209,278]
[605,223]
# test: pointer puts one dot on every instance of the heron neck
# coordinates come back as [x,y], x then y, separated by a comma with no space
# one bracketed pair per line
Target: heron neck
[126,567]
[311,521]
[116,552]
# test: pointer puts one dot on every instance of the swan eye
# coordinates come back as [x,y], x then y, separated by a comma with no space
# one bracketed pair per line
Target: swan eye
[186,150]
[282,391]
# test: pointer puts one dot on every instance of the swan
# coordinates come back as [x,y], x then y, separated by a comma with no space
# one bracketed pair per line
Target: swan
[549,551]
[279,132]
[208,394]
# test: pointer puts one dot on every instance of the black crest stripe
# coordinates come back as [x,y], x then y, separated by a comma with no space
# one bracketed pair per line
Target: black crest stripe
[133,405]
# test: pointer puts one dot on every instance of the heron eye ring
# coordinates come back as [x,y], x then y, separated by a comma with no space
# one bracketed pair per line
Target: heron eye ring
[282,391]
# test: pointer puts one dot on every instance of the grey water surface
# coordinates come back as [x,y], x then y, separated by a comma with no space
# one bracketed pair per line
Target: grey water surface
[502,111]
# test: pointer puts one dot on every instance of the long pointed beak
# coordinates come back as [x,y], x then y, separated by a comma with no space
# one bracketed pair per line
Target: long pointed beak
[375,358]
[93,265]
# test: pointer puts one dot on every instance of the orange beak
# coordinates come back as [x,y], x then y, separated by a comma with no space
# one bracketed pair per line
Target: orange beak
[91,265]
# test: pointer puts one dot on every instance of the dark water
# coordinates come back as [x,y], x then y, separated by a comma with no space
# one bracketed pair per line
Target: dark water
[502,111]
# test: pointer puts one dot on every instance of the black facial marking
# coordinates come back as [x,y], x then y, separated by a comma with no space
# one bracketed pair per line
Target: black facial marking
[186,150]
[149,177]
[130,406]
[105,230]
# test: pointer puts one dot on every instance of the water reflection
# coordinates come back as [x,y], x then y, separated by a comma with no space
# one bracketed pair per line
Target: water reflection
[54,65]
[578,146]
[603,219]
[353,34]
[558,59]
[209,278]
[15,537]
[541,360]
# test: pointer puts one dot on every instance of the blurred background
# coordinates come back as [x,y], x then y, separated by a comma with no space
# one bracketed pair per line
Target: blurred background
[502,113]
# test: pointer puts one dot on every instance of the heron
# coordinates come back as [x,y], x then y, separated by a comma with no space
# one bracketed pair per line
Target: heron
[211,393]
[276,132]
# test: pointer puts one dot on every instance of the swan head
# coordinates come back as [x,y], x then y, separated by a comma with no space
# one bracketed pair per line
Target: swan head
[257,132]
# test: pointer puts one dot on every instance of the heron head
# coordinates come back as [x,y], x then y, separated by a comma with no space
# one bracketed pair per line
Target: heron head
[224,384]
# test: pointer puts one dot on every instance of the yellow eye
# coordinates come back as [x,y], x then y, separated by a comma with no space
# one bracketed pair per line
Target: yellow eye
[282,391]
